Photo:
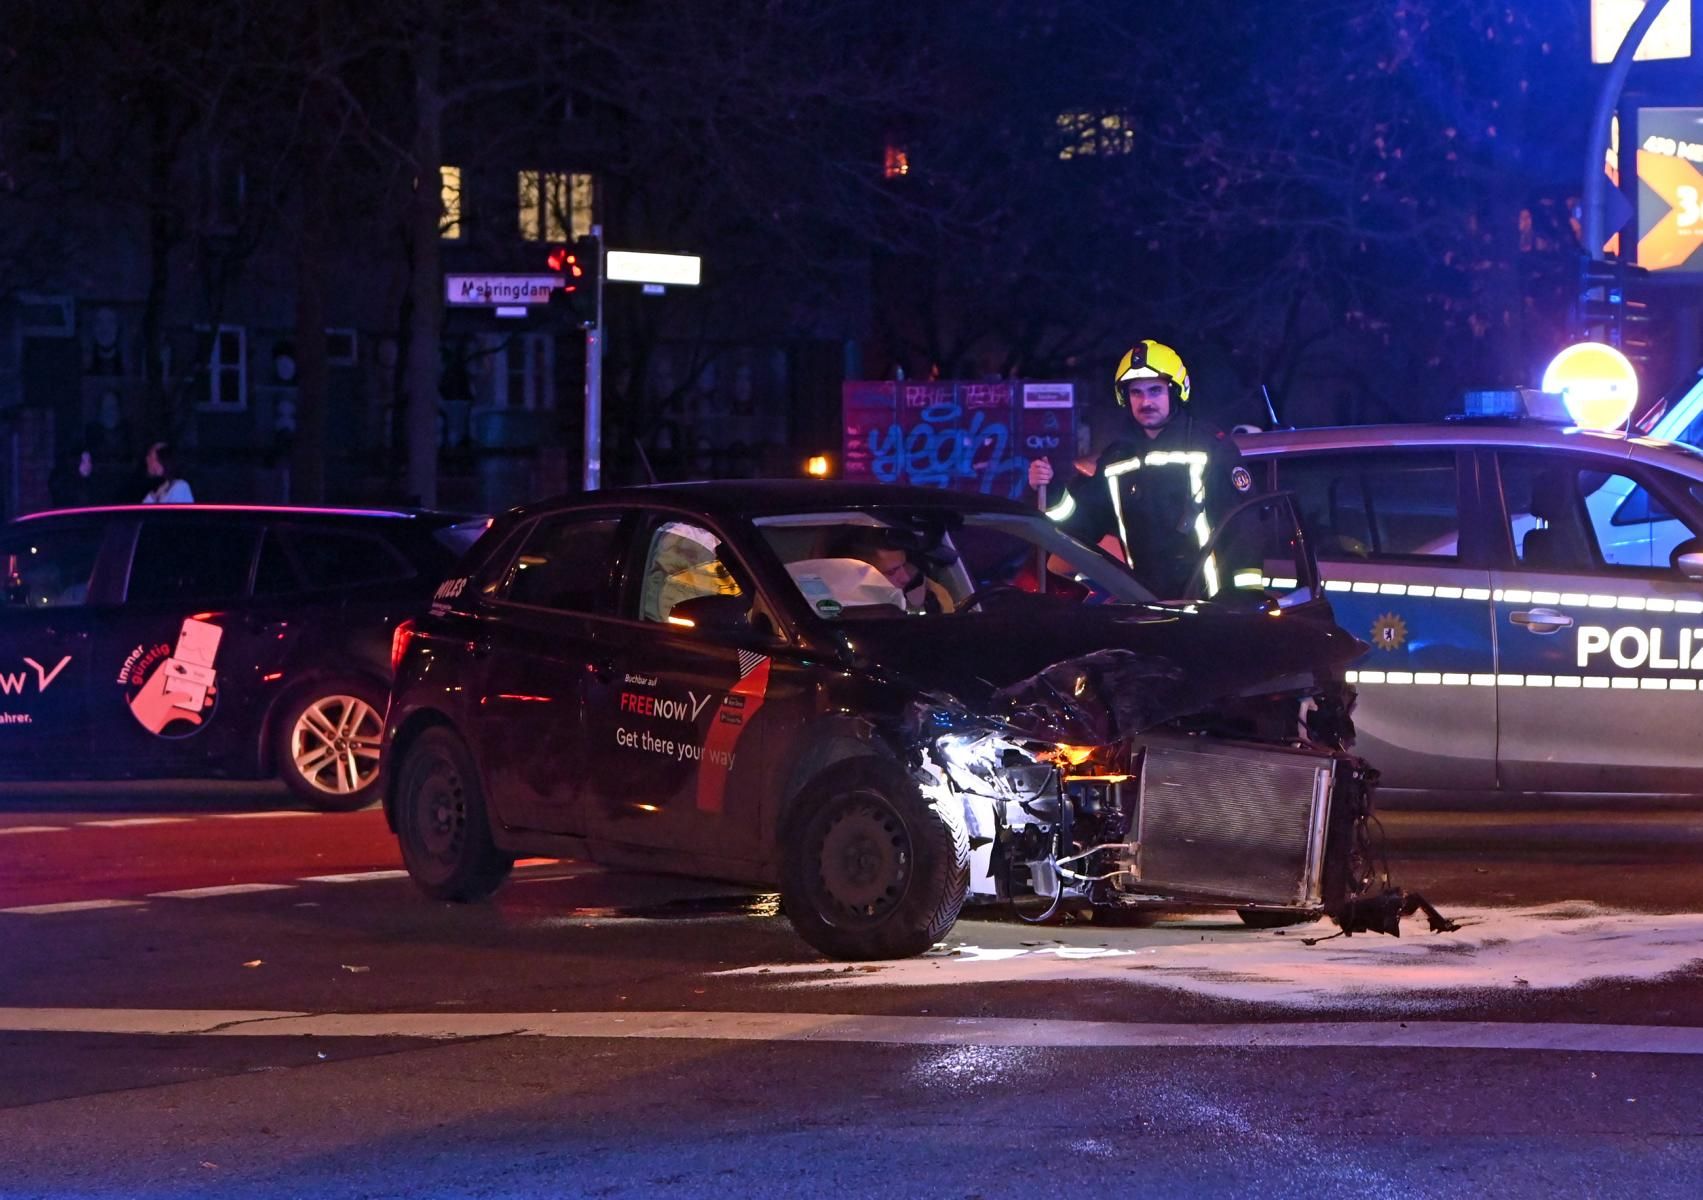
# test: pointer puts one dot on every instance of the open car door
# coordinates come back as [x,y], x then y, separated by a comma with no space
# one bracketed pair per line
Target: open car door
[1261,558]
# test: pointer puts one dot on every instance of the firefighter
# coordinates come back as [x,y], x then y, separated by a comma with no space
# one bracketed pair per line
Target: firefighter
[1155,495]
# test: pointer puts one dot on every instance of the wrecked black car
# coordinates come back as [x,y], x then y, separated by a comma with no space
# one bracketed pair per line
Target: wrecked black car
[888,703]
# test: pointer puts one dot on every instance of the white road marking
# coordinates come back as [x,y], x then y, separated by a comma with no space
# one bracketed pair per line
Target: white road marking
[122,822]
[33,829]
[1505,951]
[38,910]
[251,816]
[229,889]
[353,877]
[1559,1037]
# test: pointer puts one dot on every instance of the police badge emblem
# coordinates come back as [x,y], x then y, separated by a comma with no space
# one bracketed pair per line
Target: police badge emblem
[1241,479]
[1389,632]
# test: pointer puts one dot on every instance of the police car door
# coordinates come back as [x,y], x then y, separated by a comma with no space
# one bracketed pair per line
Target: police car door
[1599,636]
[1392,532]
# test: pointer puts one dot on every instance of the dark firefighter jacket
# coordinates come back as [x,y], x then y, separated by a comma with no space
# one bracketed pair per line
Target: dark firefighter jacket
[1160,497]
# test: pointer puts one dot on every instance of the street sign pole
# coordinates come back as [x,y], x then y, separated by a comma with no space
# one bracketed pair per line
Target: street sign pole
[594,383]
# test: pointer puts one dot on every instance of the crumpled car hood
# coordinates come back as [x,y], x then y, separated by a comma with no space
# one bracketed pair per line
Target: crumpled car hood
[1093,675]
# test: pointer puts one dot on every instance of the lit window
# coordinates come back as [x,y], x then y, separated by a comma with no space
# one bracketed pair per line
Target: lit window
[1085,134]
[450,178]
[227,369]
[897,161]
[554,205]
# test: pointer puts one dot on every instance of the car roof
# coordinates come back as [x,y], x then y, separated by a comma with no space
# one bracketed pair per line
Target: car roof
[1522,435]
[774,497]
[189,511]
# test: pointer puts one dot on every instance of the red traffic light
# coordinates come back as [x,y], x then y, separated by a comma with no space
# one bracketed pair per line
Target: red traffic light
[565,262]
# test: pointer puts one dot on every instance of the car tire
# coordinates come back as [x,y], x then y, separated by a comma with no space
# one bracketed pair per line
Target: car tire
[328,740]
[441,821]
[1274,918]
[870,869]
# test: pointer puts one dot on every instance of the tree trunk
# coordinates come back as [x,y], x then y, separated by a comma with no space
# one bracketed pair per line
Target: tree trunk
[426,215]
[158,417]
[307,467]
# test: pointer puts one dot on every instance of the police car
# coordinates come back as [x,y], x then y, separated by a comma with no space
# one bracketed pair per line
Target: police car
[1531,591]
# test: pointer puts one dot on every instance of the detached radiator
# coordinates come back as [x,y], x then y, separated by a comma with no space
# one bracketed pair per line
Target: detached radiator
[1246,823]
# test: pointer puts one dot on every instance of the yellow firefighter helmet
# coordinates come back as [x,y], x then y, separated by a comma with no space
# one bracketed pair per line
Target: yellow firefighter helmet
[1148,359]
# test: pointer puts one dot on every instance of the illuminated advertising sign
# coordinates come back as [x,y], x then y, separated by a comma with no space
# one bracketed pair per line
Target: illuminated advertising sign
[1669,35]
[1670,189]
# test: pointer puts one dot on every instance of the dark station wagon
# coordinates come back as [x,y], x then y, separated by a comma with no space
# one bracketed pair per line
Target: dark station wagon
[193,641]
[875,699]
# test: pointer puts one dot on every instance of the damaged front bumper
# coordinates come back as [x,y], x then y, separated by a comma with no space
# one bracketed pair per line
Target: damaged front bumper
[1166,820]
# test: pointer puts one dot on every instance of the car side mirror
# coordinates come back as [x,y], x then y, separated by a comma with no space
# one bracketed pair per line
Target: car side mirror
[714,613]
[1688,558]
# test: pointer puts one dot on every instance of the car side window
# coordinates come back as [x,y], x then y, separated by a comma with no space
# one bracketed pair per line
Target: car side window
[174,564]
[682,561]
[1377,505]
[274,575]
[564,563]
[337,558]
[49,568]
[1565,515]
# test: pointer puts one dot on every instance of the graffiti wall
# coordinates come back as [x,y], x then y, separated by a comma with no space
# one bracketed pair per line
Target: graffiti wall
[974,437]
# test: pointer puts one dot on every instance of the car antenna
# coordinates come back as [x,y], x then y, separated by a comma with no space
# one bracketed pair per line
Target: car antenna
[1270,407]
[650,472]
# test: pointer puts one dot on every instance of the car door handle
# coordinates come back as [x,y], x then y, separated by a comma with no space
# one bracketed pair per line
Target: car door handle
[1541,620]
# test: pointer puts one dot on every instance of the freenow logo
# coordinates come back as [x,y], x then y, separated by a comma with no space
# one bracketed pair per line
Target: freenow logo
[664,706]
[12,683]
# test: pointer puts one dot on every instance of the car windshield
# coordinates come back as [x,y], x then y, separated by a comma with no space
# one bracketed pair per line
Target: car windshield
[929,562]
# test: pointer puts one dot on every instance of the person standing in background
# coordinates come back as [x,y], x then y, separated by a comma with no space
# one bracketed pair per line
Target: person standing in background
[169,485]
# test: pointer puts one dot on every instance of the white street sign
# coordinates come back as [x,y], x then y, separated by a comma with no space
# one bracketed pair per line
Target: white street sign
[487,290]
[636,266]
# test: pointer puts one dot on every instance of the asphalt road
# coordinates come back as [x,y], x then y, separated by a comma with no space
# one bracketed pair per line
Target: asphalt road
[237,998]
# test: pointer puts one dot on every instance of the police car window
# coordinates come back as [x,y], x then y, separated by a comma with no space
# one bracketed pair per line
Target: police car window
[682,561]
[335,558]
[49,568]
[174,564]
[564,563]
[1562,517]
[1377,505]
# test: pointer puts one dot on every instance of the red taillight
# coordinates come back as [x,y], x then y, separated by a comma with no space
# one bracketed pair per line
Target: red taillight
[399,639]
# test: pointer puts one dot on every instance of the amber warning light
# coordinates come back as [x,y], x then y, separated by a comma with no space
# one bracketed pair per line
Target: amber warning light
[817,466]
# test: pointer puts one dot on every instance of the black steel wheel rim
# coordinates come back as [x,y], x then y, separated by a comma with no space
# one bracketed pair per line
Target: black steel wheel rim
[864,862]
[440,811]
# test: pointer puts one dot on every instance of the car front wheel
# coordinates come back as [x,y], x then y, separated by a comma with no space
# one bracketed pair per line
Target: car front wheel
[328,745]
[441,821]
[871,868]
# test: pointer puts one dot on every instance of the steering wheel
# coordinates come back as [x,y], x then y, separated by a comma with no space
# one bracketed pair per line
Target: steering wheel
[980,594]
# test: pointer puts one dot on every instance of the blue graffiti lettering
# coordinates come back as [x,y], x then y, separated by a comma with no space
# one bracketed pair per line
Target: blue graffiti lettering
[943,451]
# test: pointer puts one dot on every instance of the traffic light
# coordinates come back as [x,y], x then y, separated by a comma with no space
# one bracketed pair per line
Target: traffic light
[578,265]
[1610,310]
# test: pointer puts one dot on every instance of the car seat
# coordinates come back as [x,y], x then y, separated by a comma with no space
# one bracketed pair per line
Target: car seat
[1560,543]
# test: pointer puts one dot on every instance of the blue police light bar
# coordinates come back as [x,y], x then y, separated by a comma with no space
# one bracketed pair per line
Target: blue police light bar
[1526,404]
